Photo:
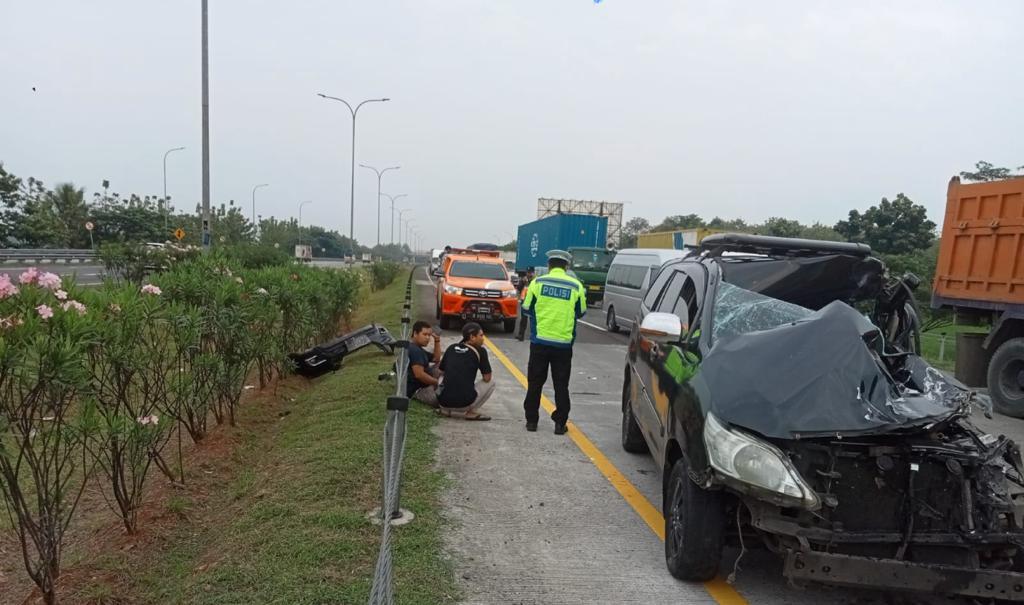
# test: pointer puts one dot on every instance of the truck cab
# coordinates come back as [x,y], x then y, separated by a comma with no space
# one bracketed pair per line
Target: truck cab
[591,268]
[475,286]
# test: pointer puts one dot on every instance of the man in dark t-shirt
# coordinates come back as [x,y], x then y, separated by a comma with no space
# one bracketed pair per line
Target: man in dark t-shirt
[423,375]
[461,393]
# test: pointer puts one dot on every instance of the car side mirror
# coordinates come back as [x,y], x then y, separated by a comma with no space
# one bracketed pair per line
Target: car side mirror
[663,328]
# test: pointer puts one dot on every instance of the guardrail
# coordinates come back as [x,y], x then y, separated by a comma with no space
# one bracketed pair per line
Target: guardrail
[46,254]
[382,590]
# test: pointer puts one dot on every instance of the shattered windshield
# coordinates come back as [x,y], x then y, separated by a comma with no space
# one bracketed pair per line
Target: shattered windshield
[739,311]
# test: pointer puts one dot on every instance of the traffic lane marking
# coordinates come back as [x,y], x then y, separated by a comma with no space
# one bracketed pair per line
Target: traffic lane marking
[595,326]
[719,589]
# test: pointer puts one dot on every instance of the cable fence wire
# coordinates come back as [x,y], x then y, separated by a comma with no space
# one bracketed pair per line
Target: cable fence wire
[382,592]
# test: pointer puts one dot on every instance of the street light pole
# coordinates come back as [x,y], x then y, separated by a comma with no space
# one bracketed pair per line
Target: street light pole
[380,173]
[167,206]
[206,236]
[352,190]
[301,204]
[254,225]
[393,198]
[401,213]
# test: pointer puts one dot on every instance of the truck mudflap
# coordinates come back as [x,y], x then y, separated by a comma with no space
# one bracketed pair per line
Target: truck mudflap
[327,357]
[867,572]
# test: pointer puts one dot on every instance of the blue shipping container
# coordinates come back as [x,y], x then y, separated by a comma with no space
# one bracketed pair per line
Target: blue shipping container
[558,232]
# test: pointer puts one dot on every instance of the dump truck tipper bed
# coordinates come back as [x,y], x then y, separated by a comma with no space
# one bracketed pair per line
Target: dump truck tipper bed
[980,275]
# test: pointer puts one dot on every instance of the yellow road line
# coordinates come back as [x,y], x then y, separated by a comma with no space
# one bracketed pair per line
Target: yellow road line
[719,590]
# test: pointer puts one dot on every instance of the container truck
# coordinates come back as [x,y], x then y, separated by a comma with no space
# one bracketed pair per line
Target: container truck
[581,235]
[980,276]
[674,240]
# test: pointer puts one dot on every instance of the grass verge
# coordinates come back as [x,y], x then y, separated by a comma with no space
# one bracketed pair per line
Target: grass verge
[287,523]
[938,346]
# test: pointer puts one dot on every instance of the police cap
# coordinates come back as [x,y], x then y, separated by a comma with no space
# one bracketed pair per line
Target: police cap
[560,255]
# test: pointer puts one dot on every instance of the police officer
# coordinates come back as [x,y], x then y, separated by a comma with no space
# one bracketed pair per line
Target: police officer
[553,302]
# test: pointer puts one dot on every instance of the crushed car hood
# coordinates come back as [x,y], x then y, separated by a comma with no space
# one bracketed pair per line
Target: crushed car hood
[816,376]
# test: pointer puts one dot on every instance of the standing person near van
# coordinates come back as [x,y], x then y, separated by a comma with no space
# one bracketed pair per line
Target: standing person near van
[553,302]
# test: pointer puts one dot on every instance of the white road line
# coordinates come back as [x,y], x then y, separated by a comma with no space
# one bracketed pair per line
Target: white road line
[427,272]
[595,326]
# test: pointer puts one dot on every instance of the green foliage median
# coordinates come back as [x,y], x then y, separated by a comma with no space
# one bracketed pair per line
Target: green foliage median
[94,382]
[382,273]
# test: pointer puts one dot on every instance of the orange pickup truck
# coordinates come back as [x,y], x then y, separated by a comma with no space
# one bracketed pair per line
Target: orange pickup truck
[475,286]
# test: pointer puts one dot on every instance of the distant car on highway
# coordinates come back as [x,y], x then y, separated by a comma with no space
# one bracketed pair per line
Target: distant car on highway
[777,384]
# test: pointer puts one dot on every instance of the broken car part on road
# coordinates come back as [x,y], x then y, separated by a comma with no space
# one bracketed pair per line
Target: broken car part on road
[327,357]
[780,389]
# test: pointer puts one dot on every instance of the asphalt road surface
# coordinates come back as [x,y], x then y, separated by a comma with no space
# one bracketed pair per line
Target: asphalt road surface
[85,274]
[545,519]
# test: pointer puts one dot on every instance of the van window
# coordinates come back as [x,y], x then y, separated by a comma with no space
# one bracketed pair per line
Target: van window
[635,277]
[613,275]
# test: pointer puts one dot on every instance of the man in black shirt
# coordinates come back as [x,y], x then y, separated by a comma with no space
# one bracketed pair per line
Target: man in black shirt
[422,378]
[461,393]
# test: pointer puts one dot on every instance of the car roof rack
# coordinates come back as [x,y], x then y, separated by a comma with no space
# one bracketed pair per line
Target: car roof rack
[779,246]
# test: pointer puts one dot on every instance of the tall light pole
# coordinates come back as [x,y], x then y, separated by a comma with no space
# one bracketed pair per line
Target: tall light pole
[206,237]
[380,173]
[401,212]
[167,206]
[393,198]
[352,190]
[301,204]
[254,225]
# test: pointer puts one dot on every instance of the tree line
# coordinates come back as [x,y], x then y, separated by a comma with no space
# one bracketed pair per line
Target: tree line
[898,230]
[33,215]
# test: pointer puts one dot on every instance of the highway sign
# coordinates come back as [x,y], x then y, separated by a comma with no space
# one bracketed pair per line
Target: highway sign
[89,226]
[179,233]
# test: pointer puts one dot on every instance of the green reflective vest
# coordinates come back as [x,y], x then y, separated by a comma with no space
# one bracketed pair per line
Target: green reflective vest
[554,302]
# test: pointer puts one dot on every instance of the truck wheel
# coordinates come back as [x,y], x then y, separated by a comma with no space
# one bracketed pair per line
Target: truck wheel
[609,320]
[510,326]
[632,439]
[446,322]
[694,527]
[1006,378]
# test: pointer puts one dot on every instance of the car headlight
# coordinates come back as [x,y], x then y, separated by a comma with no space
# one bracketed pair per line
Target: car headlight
[509,294]
[452,290]
[755,463]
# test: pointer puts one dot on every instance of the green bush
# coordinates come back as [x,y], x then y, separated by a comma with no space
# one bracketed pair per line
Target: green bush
[257,257]
[382,273]
[100,378]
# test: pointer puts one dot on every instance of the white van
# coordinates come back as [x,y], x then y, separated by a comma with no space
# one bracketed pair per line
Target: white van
[435,259]
[631,272]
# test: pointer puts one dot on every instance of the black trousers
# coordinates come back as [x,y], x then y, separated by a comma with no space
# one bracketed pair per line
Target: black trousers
[560,361]
[524,320]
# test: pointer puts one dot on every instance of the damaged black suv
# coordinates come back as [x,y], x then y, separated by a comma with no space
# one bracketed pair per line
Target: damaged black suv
[777,383]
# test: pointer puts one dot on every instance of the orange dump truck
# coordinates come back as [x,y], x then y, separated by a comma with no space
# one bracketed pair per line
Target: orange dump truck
[980,275]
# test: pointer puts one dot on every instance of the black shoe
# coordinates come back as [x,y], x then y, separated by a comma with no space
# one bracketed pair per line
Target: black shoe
[520,337]
[561,429]
[531,426]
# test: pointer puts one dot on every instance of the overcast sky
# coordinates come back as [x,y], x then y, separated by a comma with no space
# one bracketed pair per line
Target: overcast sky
[737,109]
